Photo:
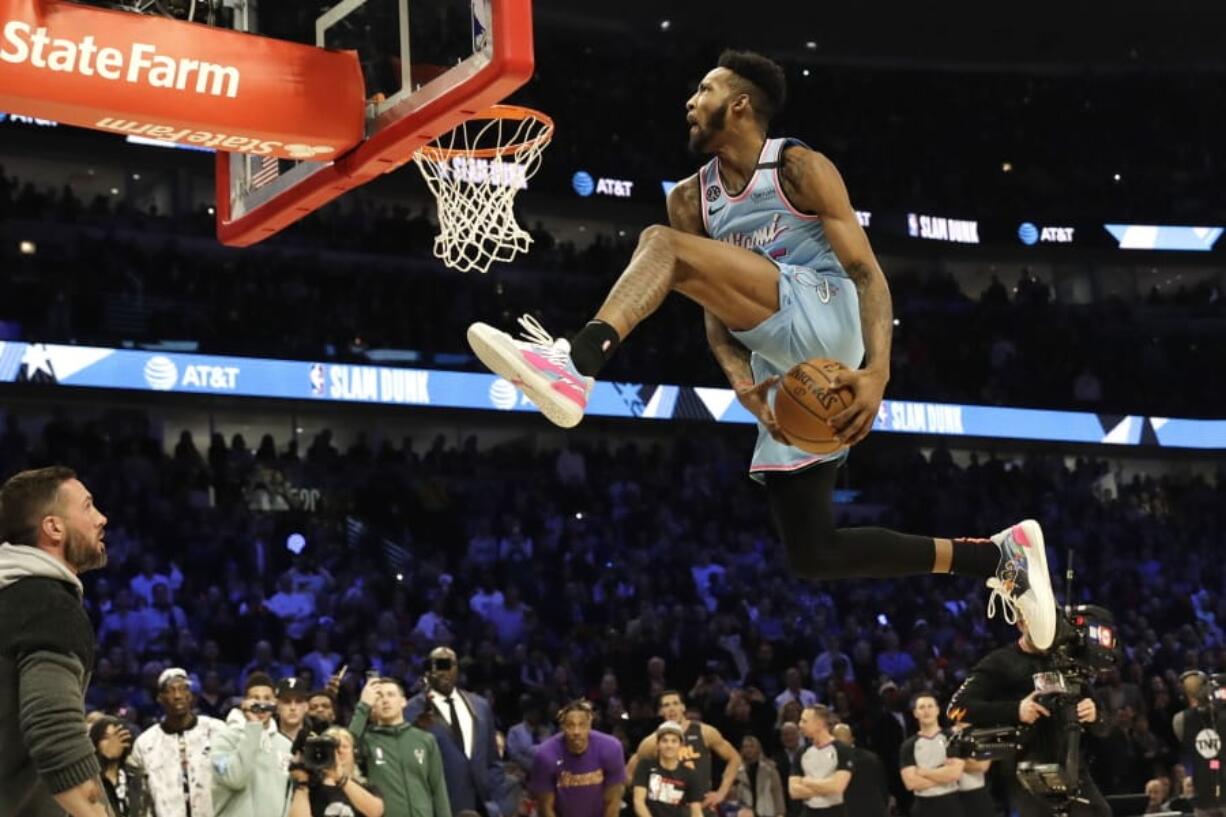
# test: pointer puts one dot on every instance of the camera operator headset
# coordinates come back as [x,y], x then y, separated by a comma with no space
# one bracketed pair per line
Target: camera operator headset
[1041,700]
[1200,740]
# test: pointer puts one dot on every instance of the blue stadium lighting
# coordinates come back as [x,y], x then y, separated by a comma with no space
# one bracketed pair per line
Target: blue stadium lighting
[295,543]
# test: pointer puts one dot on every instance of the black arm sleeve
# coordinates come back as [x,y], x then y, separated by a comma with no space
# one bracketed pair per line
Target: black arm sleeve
[906,753]
[845,760]
[979,700]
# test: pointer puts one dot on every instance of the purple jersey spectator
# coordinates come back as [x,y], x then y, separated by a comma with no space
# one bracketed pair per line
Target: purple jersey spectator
[578,781]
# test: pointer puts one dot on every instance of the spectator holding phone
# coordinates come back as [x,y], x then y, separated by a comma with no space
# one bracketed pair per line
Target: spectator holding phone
[251,757]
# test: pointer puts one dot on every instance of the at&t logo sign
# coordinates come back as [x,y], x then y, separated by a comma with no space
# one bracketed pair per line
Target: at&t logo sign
[503,394]
[161,373]
[585,185]
[1030,234]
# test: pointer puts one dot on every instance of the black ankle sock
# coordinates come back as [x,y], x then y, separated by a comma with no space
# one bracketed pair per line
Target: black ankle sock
[593,346]
[975,557]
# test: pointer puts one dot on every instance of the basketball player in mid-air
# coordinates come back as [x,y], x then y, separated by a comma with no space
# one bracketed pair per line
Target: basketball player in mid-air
[765,239]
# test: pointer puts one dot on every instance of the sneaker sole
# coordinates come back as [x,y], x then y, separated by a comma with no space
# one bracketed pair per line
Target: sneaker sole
[491,347]
[1040,580]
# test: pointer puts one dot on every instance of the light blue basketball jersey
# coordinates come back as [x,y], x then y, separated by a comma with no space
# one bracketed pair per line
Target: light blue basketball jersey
[819,309]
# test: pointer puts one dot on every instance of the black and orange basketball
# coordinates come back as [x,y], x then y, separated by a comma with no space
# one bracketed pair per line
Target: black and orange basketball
[805,402]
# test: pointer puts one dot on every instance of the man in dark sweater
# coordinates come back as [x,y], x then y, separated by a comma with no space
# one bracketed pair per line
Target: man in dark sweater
[1000,691]
[47,763]
[868,794]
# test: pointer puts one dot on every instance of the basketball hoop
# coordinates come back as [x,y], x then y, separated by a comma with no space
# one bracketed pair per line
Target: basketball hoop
[474,172]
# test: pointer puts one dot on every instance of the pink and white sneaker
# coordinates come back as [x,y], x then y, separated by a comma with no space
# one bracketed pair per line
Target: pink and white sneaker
[539,364]
[1022,583]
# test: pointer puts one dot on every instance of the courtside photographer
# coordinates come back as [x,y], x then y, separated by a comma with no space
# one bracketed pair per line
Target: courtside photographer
[1030,707]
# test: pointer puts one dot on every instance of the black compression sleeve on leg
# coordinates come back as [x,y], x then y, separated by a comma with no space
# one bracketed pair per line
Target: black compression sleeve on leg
[975,557]
[802,506]
[592,347]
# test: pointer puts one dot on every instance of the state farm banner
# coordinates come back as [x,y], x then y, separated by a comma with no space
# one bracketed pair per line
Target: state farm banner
[179,82]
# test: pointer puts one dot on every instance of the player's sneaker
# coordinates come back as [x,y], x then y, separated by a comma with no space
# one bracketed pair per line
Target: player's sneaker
[1022,582]
[538,364]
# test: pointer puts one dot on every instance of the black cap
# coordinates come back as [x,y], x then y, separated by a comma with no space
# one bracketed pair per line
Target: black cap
[293,688]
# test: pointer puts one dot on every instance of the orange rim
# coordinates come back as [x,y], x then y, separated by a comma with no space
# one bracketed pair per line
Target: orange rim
[510,113]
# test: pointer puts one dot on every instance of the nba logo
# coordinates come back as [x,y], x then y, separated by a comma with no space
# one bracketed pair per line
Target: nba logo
[317,379]
[912,225]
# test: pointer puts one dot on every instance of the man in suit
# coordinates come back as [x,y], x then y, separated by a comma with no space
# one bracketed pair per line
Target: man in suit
[787,761]
[885,736]
[463,725]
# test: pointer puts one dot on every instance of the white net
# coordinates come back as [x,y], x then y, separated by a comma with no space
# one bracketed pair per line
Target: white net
[475,172]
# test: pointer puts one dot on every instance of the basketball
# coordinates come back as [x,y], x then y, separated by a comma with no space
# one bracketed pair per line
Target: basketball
[804,404]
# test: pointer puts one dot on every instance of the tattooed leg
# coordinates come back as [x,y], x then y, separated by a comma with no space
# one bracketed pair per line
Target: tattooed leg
[738,286]
[643,285]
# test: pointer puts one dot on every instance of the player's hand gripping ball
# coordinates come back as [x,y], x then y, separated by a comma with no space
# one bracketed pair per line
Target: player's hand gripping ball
[805,401]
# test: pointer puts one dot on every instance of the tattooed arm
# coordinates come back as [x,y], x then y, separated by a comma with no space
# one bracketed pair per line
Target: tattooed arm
[813,184]
[685,214]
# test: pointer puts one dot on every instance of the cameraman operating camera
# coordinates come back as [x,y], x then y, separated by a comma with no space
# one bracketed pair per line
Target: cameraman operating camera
[1200,740]
[1003,690]
[327,782]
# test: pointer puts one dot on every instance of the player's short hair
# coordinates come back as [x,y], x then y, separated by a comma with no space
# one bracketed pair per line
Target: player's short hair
[763,80]
[259,679]
[28,497]
[822,712]
[660,698]
[577,705]
[925,693]
[388,679]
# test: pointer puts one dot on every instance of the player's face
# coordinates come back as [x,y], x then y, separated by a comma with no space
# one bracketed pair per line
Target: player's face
[389,703]
[810,724]
[443,672]
[321,707]
[577,728]
[291,712]
[671,708]
[262,695]
[83,526]
[926,711]
[707,111]
[669,746]
[176,699]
